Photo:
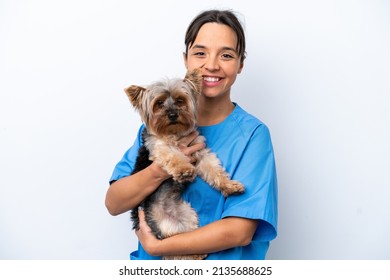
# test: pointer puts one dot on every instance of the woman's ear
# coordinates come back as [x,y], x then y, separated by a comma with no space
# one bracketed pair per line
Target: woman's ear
[185,59]
[241,66]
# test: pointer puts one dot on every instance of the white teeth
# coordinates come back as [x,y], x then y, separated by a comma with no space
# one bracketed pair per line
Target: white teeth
[211,79]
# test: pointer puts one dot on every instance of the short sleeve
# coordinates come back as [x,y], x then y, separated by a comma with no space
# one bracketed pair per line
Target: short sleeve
[126,165]
[256,170]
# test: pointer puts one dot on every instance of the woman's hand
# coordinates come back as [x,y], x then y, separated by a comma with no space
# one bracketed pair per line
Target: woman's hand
[188,147]
[146,237]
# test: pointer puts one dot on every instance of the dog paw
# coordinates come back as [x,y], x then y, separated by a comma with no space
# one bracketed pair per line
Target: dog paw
[185,174]
[185,257]
[233,187]
[198,257]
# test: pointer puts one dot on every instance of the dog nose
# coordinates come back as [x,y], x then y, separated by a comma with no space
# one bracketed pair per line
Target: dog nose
[172,116]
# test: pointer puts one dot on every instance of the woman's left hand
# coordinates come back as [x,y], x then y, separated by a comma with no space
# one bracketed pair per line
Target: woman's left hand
[145,236]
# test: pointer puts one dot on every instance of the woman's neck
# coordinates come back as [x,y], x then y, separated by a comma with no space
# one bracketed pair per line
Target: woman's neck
[212,111]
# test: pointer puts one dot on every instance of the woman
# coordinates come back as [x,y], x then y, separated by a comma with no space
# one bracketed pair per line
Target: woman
[236,227]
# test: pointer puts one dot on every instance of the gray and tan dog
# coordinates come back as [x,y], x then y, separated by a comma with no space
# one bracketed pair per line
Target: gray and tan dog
[168,110]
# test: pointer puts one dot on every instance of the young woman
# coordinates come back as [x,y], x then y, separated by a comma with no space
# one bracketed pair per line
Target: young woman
[236,227]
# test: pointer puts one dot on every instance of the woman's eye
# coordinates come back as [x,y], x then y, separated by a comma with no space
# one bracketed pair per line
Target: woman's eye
[227,56]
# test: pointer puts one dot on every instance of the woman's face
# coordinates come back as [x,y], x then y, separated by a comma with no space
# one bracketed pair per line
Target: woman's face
[214,52]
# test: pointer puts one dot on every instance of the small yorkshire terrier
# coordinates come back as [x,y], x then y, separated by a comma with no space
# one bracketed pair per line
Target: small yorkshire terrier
[168,110]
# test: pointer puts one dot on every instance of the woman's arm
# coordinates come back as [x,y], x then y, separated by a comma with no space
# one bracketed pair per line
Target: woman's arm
[128,192]
[217,236]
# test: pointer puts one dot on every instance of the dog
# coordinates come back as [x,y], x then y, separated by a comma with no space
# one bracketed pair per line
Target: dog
[168,110]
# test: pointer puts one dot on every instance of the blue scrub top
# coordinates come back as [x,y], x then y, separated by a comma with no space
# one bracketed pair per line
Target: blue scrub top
[243,144]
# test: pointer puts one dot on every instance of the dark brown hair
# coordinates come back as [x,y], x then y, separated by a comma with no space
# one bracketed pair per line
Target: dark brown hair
[226,17]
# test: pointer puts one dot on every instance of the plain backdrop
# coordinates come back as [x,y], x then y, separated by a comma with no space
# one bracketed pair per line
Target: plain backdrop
[317,73]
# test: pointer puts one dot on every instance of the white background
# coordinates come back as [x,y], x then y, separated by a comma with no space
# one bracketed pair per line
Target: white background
[317,73]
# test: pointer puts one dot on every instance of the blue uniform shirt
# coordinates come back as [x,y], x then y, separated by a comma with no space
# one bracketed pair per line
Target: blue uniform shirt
[243,144]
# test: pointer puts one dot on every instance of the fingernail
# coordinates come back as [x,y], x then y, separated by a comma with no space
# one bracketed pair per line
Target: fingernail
[140,208]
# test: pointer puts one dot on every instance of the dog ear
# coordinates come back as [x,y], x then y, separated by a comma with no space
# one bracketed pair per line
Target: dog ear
[134,93]
[194,79]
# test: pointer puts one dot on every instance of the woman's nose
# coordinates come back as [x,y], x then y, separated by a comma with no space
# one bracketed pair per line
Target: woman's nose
[212,64]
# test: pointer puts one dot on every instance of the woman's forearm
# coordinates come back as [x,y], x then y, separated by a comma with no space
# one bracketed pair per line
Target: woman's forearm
[128,192]
[217,236]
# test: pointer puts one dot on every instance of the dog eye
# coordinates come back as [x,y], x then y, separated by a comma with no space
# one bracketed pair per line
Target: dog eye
[179,101]
[160,103]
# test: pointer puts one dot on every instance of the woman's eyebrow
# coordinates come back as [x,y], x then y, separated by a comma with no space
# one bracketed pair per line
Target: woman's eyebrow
[197,46]
[229,49]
